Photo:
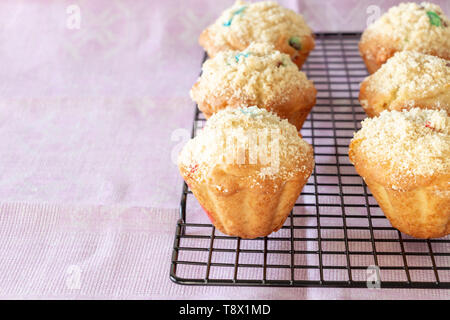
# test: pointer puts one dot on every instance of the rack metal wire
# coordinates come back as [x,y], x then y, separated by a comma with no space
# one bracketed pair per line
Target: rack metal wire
[336,235]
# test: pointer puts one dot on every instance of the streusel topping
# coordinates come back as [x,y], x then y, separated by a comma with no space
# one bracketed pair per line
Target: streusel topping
[247,136]
[410,144]
[258,75]
[419,27]
[263,21]
[412,74]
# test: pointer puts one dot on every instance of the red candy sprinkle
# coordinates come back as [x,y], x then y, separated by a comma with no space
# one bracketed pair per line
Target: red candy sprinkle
[194,168]
[428,125]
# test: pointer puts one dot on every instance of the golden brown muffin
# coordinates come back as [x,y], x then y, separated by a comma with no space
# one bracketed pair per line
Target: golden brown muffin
[409,26]
[404,158]
[266,21]
[260,76]
[407,80]
[246,168]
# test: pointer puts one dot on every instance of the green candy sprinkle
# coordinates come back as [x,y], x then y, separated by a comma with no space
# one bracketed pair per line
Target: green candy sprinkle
[435,20]
[295,43]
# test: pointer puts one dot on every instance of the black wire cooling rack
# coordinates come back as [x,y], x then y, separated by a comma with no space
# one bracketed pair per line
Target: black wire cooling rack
[336,235]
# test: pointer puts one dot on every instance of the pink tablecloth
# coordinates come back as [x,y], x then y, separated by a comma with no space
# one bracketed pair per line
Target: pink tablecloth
[91,119]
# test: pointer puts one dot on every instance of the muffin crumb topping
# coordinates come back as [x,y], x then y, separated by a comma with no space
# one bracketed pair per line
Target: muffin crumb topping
[410,26]
[266,20]
[411,74]
[259,74]
[408,144]
[249,138]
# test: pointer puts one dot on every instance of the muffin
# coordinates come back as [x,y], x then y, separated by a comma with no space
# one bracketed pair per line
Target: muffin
[259,75]
[407,80]
[246,168]
[266,21]
[409,26]
[404,158]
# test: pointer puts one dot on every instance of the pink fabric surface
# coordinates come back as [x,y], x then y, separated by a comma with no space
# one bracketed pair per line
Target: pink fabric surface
[95,114]
[99,252]
[90,121]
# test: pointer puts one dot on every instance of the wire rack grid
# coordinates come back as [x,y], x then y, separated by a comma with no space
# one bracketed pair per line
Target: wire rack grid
[336,235]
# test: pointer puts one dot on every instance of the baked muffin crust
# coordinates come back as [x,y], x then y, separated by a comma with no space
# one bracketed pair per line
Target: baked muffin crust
[404,157]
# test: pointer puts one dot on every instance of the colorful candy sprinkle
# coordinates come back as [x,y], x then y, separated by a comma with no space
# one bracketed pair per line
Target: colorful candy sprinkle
[428,125]
[295,43]
[240,54]
[193,169]
[239,11]
[249,112]
[435,20]
[281,63]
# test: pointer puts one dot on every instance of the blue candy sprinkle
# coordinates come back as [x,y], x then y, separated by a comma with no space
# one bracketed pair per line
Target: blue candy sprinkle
[241,54]
[251,111]
[239,11]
